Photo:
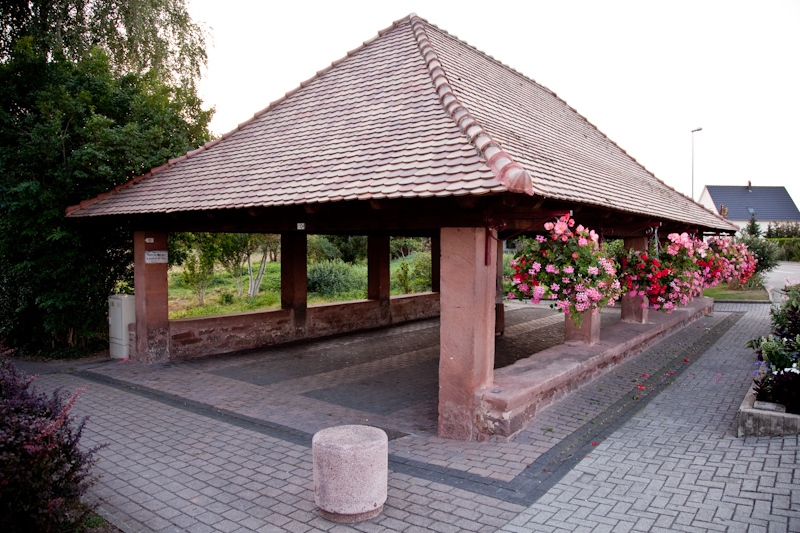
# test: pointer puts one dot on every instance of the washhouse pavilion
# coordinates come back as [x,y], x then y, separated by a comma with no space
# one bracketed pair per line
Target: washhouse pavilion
[415,133]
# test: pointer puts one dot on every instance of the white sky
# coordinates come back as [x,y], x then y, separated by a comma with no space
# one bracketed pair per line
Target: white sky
[645,73]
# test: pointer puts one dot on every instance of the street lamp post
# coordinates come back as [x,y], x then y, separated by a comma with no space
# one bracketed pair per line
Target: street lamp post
[693,132]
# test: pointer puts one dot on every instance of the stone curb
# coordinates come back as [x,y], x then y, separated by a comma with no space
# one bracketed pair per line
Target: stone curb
[759,423]
[743,301]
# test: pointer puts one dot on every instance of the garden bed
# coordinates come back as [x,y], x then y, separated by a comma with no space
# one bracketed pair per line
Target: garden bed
[754,422]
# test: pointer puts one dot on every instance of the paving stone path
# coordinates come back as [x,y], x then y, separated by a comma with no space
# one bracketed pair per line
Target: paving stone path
[611,457]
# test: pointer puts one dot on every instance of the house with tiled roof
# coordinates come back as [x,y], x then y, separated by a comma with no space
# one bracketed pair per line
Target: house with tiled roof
[741,202]
[415,133]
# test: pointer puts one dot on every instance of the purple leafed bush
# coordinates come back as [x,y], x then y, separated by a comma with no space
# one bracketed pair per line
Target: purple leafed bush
[43,472]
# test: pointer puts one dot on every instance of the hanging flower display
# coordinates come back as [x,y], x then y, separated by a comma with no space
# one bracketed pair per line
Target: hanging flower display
[568,268]
[683,270]
[735,261]
[669,280]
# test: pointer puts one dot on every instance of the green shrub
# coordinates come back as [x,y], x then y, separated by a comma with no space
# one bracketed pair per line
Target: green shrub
[333,277]
[319,248]
[412,274]
[788,248]
[43,472]
[764,250]
[783,229]
[404,246]
[225,298]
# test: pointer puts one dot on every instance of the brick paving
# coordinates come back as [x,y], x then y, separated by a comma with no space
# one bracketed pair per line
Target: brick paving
[192,448]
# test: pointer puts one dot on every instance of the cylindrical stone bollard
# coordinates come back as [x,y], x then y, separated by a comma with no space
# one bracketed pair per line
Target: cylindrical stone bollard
[351,472]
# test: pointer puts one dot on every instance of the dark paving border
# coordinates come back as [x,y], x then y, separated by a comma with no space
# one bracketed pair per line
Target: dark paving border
[527,487]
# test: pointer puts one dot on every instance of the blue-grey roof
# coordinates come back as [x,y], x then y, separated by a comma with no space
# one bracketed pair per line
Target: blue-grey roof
[768,203]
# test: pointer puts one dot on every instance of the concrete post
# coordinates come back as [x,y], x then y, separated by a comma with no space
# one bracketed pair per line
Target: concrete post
[151,288]
[294,279]
[632,310]
[466,360]
[378,280]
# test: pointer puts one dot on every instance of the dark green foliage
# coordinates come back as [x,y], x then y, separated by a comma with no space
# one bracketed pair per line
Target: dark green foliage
[788,248]
[333,277]
[413,274]
[43,471]
[319,248]
[404,246]
[765,251]
[69,131]
[157,36]
[786,317]
[352,248]
[778,379]
[753,228]
[783,230]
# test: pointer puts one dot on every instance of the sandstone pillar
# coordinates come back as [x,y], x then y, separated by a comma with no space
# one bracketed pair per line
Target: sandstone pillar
[587,333]
[294,279]
[466,360]
[378,275]
[150,286]
[632,310]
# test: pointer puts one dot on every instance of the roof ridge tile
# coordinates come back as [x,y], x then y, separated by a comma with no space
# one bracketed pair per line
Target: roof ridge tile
[510,173]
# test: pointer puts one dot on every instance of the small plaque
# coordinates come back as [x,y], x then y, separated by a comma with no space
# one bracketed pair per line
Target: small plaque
[155,256]
[301,226]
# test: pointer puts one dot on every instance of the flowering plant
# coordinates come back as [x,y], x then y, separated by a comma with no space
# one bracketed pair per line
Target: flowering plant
[673,279]
[568,267]
[734,260]
[644,275]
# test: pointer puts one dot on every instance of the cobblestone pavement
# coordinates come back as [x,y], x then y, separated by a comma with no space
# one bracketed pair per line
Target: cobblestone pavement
[200,447]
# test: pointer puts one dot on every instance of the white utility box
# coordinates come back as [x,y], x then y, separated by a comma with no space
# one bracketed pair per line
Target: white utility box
[121,312]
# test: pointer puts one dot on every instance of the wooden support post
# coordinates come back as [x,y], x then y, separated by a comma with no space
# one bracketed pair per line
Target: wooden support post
[378,280]
[151,290]
[436,262]
[294,279]
[499,307]
[466,360]
[632,306]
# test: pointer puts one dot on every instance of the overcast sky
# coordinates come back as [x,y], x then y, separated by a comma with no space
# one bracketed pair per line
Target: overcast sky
[644,73]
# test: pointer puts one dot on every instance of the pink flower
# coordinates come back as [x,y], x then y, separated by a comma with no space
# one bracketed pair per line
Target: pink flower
[510,295]
[568,270]
[548,226]
[593,270]
[535,267]
[541,238]
[574,255]
[564,238]
[560,228]
[554,287]
[582,241]
[551,269]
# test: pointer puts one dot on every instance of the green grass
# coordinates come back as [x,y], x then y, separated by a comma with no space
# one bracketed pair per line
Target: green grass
[183,303]
[723,292]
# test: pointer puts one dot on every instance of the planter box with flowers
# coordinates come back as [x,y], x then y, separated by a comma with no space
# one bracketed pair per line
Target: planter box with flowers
[772,407]
[572,271]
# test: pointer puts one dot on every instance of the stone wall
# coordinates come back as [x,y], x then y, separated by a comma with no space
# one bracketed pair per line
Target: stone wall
[195,337]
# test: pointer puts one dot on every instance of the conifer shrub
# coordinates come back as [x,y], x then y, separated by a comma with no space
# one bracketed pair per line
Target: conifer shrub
[43,471]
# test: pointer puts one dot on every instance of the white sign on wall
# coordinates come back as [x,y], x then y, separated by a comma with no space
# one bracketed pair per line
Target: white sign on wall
[155,256]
